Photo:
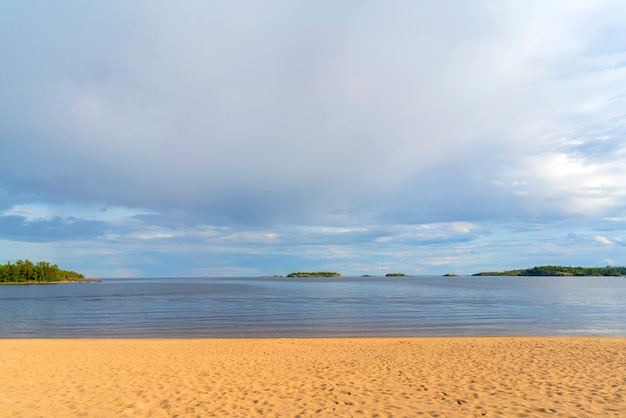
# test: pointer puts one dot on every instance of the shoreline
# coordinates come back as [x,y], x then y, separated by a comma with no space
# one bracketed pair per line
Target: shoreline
[400,376]
[33,282]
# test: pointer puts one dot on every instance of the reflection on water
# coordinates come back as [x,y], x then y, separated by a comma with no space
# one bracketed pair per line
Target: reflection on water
[255,307]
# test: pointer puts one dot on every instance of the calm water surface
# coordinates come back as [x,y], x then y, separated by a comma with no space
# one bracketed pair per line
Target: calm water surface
[259,307]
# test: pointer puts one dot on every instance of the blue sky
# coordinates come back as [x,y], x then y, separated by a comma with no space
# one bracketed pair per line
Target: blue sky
[246,138]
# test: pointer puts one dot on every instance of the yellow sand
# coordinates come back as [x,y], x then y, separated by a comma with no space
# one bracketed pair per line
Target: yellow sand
[451,377]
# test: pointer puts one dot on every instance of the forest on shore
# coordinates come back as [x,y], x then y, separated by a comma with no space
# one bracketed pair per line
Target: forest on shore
[25,271]
[560,271]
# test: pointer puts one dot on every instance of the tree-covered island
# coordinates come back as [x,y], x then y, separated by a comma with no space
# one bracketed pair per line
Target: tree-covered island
[560,271]
[25,271]
[314,274]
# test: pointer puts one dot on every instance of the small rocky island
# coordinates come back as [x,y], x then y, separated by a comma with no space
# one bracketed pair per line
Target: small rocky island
[27,272]
[314,274]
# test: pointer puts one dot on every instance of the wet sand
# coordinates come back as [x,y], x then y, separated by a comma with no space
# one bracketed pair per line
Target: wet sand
[446,377]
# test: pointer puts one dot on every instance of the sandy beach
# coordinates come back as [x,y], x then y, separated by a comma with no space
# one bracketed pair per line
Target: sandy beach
[446,377]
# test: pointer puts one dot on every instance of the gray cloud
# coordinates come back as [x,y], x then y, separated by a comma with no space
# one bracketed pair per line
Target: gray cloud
[48,230]
[254,116]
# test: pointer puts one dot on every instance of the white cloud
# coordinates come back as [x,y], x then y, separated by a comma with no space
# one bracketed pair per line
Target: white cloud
[445,261]
[603,240]
[463,227]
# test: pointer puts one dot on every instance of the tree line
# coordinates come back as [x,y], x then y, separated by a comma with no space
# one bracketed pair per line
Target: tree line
[314,274]
[24,271]
[561,271]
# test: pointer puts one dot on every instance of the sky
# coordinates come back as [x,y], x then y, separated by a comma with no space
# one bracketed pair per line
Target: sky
[249,138]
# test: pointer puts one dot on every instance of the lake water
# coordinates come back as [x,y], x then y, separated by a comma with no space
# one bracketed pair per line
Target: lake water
[315,307]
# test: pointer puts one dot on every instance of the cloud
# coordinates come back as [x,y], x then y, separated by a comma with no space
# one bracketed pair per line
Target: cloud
[310,124]
[603,240]
[42,211]
[56,229]
[215,115]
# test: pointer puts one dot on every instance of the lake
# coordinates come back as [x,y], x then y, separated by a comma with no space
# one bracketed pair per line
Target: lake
[316,307]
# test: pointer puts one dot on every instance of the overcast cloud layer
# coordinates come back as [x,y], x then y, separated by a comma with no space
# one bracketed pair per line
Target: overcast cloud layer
[248,138]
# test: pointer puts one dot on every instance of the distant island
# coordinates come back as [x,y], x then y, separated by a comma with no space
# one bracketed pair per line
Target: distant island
[314,274]
[25,272]
[395,275]
[560,271]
